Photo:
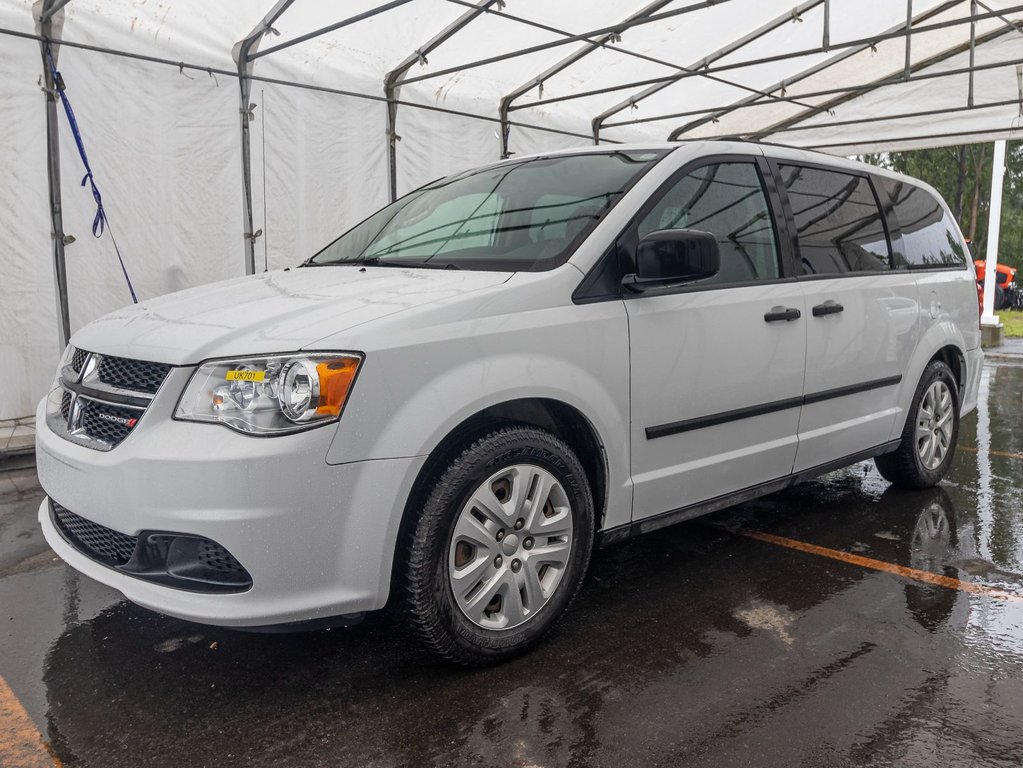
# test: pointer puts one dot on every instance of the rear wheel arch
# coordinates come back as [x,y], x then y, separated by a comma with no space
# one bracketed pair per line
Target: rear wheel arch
[955,359]
[555,416]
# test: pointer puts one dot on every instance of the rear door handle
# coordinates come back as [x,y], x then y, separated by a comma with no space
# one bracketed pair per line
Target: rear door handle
[829,307]
[777,314]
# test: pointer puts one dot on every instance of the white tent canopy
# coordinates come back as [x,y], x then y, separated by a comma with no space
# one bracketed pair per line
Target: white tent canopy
[348,104]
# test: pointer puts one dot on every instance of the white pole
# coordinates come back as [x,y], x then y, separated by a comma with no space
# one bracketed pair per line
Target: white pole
[994,224]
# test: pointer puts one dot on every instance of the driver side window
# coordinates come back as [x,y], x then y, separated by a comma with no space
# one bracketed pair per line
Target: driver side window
[727,200]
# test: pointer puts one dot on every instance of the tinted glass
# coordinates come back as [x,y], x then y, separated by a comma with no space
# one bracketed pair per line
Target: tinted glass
[525,215]
[929,236]
[838,223]
[728,201]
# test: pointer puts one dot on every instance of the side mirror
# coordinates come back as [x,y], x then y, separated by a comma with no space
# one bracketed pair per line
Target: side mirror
[673,256]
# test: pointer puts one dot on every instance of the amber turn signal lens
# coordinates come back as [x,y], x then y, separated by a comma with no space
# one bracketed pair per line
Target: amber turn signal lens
[336,377]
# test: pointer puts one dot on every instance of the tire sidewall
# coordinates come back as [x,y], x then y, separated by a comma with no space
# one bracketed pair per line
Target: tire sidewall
[452,492]
[934,372]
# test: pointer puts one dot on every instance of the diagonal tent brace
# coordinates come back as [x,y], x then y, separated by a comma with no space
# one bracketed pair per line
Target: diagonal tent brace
[704,63]
[393,80]
[329,28]
[891,79]
[565,63]
[585,37]
[711,72]
[788,82]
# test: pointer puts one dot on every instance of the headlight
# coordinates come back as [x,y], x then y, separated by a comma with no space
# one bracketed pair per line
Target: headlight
[270,395]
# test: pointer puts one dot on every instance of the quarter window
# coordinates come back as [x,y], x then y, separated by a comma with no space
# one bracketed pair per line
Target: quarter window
[839,227]
[727,200]
[929,236]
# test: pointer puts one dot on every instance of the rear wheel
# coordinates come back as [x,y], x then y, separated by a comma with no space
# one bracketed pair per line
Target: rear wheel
[929,437]
[501,546]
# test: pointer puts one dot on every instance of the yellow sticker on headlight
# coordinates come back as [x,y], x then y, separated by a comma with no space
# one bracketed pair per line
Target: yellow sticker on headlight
[240,375]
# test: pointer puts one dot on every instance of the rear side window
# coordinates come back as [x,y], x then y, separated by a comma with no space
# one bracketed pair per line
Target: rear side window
[839,226]
[929,236]
[727,200]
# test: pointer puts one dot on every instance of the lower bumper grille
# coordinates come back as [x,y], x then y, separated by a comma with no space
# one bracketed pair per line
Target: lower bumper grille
[187,562]
[97,541]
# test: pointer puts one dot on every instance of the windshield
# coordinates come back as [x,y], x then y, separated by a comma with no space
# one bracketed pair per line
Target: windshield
[517,216]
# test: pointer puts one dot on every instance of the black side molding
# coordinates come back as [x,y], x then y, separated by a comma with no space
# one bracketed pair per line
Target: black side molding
[852,389]
[663,520]
[674,428]
[688,425]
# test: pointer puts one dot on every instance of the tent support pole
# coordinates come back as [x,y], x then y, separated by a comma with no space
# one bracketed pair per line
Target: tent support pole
[394,78]
[988,317]
[242,54]
[244,90]
[826,37]
[973,50]
[909,37]
[45,11]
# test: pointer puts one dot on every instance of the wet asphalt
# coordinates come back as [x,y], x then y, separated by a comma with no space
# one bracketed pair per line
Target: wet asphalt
[693,646]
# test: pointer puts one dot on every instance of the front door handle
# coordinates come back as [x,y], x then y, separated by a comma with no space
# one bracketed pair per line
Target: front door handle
[829,307]
[777,314]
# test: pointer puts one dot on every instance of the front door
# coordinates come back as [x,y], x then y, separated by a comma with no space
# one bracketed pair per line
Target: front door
[716,366]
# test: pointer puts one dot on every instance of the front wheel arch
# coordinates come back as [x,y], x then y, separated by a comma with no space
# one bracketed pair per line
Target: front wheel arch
[555,416]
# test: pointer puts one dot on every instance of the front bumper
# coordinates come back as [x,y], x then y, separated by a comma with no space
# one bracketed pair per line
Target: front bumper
[318,540]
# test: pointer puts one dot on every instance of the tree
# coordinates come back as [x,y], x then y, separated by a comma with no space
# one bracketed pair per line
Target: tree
[962,174]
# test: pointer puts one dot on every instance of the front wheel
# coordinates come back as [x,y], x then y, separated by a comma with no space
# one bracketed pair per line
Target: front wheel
[929,437]
[500,547]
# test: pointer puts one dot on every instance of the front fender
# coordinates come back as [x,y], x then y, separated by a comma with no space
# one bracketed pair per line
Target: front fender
[411,395]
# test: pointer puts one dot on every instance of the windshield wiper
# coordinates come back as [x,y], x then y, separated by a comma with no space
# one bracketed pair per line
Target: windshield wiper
[376,261]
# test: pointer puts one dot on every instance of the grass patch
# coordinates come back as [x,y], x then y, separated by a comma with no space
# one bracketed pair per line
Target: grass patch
[1013,322]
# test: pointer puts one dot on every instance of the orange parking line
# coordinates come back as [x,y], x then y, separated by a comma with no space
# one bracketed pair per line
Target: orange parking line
[21,745]
[879,565]
[1003,454]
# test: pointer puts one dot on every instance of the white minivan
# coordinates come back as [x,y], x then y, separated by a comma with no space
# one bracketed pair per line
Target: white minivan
[453,402]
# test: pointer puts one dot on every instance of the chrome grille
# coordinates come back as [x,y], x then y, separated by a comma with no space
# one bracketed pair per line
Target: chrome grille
[78,360]
[92,539]
[99,399]
[136,375]
[106,422]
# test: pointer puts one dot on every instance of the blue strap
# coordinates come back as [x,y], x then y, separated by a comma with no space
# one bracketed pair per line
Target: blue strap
[99,222]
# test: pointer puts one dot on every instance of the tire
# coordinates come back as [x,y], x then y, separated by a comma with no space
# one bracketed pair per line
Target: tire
[913,464]
[489,573]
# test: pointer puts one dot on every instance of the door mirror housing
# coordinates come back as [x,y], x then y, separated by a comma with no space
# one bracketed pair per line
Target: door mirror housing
[674,256]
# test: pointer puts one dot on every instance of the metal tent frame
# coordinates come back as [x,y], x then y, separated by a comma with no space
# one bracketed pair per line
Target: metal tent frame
[713,66]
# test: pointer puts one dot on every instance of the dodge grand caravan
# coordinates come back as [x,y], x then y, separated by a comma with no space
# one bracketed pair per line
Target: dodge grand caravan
[456,400]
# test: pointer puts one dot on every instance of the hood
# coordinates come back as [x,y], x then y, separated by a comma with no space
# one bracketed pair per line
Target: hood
[280,311]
